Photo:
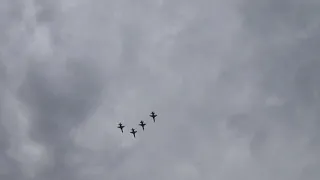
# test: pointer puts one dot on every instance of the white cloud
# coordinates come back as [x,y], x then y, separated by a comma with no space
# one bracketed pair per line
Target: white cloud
[235,85]
[41,44]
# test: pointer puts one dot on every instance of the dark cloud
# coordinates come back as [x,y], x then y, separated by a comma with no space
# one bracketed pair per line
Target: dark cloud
[235,84]
[57,110]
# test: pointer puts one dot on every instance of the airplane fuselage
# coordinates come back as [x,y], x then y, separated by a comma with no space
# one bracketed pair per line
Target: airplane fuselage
[142,124]
[133,132]
[121,127]
[153,115]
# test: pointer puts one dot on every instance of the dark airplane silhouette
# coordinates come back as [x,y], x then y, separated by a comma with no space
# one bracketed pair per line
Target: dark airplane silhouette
[153,115]
[133,132]
[142,124]
[121,127]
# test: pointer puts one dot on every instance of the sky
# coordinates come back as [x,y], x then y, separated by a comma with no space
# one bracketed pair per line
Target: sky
[235,84]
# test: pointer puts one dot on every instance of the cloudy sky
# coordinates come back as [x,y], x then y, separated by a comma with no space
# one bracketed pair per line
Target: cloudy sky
[235,84]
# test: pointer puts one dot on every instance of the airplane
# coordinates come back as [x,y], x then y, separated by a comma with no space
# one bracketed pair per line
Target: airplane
[142,124]
[121,127]
[133,132]
[153,115]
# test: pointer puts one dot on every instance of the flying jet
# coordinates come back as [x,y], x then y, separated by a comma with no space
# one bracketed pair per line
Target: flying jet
[121,127]
[153,115]
[142,124]
[133,132]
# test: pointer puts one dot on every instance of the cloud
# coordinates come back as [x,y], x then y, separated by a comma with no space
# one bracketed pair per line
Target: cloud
[234,83]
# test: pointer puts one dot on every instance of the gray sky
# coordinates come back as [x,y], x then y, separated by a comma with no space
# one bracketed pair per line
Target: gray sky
[235,84]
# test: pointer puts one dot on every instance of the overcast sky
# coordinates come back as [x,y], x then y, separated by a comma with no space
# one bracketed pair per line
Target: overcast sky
[235,84]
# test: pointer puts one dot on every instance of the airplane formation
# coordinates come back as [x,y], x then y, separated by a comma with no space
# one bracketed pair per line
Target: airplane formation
[142,124]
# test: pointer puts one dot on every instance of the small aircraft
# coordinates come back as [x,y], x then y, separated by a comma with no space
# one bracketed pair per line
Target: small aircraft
[142,124]
[153,115]
[133,132]
[121,127]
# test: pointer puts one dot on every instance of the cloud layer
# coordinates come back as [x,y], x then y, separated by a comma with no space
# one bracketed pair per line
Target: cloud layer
[235,85]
